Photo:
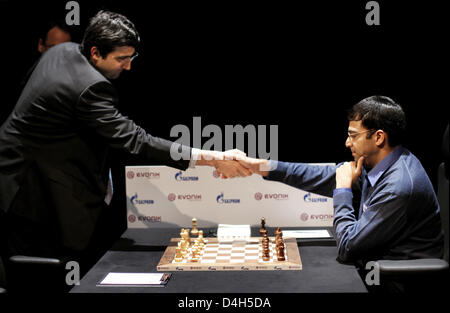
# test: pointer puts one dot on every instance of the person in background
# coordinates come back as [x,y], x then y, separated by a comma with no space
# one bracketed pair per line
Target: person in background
[52,34]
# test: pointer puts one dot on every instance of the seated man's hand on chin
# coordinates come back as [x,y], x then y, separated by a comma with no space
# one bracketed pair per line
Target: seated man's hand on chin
[225,163]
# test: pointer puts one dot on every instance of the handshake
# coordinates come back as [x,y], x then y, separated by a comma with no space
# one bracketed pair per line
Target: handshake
[233,163]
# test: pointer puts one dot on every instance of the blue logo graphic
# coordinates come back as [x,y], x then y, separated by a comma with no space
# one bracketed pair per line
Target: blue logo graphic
[221,199]
[309,198]
[179,177]
[134,200]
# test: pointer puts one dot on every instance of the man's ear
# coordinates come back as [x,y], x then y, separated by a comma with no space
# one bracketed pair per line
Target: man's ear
[41,46]
[381,138]
[95,54]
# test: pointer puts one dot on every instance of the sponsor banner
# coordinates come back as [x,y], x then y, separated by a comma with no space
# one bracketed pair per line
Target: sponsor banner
[160,196]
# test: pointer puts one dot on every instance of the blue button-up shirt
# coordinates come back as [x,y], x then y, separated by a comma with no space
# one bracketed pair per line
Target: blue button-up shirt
[390,213]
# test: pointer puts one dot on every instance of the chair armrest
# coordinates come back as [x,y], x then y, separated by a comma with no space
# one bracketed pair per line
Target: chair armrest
[23,259]
[395,267]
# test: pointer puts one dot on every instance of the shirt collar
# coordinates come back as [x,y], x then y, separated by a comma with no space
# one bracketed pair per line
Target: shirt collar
[374,174]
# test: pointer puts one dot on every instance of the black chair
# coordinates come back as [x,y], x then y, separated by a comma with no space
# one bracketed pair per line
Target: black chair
[2,277]
[36,274]
[423,274]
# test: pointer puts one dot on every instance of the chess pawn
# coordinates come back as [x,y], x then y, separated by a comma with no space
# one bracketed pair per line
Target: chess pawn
[194,231]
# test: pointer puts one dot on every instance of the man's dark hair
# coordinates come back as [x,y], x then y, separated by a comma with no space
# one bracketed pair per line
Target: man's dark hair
[380,112]
[106,31]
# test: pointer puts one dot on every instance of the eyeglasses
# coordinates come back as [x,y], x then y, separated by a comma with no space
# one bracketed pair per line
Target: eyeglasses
[125,59]
[352,136]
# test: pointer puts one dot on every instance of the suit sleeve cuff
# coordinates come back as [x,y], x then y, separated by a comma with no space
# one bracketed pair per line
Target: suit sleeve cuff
[277,170]
[195,155]
[341,190]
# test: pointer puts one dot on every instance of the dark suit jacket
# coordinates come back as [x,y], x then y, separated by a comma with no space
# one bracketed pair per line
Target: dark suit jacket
[53,146]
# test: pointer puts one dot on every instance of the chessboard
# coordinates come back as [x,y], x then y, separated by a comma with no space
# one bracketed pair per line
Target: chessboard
[218,255]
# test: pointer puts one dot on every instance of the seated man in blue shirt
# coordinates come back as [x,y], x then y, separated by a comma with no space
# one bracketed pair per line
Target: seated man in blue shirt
[384,203]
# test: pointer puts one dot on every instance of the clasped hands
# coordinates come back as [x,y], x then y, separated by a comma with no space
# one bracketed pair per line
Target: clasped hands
[233,163]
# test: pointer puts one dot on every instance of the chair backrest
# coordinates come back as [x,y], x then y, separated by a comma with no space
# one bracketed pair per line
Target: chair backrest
[442,194]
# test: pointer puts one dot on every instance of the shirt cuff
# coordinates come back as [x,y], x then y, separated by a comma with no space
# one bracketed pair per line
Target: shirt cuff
[195,155]
[273,164]
[341,190]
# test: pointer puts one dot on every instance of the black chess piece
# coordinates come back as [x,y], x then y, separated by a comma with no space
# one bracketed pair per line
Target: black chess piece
[263,226]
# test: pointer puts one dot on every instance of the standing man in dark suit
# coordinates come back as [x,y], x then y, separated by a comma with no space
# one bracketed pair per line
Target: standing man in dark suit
[53,146]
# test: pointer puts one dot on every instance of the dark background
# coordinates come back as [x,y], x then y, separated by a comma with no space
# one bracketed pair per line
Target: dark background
[262,63]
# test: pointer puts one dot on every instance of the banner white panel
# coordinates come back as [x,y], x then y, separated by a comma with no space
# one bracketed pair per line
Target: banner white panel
[160,196]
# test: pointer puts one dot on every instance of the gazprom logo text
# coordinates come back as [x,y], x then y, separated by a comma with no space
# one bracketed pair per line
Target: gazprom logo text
[310,198]
[134,200]
[221,199]
[179,177]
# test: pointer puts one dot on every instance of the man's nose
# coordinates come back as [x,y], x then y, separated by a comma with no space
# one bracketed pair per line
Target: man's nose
[127,65]
[348,143]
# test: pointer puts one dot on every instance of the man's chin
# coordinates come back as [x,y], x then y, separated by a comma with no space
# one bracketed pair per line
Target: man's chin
[113,76]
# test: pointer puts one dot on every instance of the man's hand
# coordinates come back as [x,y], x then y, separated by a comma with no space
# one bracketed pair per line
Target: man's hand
[348,173]
[258,166]
[225,163]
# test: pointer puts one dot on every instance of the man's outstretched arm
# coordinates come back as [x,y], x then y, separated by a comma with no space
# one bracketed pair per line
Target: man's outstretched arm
[315,178]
